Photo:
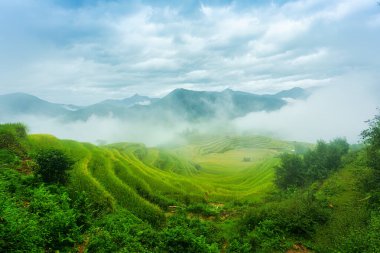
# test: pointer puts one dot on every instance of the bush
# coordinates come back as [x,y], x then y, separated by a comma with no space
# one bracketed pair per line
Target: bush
[122,232]
[53,165]
[181,239]
[371,137]
[274,226]
[291,172]
[35,217]
[202,209]
[57,218]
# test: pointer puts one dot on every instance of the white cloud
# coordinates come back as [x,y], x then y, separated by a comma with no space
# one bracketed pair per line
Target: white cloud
[338,110]
[310,58]
[157,64]
[120,48]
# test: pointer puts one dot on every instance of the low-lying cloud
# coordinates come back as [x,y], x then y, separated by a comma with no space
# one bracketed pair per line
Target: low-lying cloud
[339,110]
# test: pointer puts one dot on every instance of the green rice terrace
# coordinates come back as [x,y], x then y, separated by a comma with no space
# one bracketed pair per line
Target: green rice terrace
[218,170]
[214,194]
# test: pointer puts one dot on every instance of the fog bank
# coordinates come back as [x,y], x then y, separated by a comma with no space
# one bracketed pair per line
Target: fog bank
[338,110]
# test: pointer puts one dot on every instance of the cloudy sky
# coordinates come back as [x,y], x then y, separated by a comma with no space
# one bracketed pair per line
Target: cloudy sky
[83,51]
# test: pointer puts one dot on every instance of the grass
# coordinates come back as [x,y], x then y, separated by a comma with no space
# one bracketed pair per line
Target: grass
[148,180]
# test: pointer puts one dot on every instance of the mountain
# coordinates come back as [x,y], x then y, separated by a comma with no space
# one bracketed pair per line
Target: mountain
[128,102]
[196,105]
[181,104]
[115,107]
[294,93]
[25,104]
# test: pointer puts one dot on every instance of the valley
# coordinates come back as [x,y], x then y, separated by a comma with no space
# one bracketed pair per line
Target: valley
[214,193]
[197,126]
[209,171]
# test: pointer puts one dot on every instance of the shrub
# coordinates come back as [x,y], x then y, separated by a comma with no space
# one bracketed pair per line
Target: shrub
[53,165]
[291,172]
[181,239]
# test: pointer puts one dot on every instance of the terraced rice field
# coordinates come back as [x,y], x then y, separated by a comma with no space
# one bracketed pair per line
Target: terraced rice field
[149,180]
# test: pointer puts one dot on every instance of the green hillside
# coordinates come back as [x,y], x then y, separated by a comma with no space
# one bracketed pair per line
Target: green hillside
[214,194]
[136,177]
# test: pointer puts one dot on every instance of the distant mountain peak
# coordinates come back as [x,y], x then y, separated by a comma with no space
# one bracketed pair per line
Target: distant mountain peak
[19,94]
[180,90]
[136,95]
[191,105]
[228,90]
[294,93]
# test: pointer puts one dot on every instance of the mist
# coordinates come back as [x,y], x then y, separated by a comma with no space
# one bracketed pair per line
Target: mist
[102,130]
[337,110]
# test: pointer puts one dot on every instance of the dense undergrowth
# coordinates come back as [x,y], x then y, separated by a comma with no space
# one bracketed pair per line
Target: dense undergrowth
[127,198]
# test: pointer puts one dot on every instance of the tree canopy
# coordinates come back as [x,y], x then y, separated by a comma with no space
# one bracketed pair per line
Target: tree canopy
[297,171]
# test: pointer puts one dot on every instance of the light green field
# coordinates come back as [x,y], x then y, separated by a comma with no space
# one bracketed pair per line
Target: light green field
[149,180]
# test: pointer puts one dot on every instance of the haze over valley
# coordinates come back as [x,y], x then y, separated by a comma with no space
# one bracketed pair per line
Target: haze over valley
[190,126]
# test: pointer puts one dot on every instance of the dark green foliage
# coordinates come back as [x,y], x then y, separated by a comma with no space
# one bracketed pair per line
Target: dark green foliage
[325,158]
[57,218]
[122,232]
[291,172]
[19,230]
[316,164]
[180,239]
[197,227]
[34,217]
[236,246]
[371,137]
[277,225]
[362,240]
[53,165]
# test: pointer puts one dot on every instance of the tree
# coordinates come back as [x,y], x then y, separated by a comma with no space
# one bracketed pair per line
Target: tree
[316,164]
[371,137]
[53,165]
[291,172]
[325,158]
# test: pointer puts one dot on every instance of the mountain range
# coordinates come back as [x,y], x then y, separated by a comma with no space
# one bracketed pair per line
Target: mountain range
[184,104]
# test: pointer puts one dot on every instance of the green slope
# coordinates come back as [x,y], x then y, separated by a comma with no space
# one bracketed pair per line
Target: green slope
[147,181]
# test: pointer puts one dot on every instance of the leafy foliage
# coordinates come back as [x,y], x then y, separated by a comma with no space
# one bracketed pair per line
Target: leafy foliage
[292,171]
[273,226]
[371,137]
[53,165]
[317,164]
[35,217]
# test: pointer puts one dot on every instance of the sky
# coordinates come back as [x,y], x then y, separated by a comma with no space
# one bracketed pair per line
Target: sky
[83,51]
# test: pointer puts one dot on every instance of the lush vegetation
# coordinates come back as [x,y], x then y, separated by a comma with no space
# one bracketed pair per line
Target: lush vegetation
[316,164]
[216,194]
